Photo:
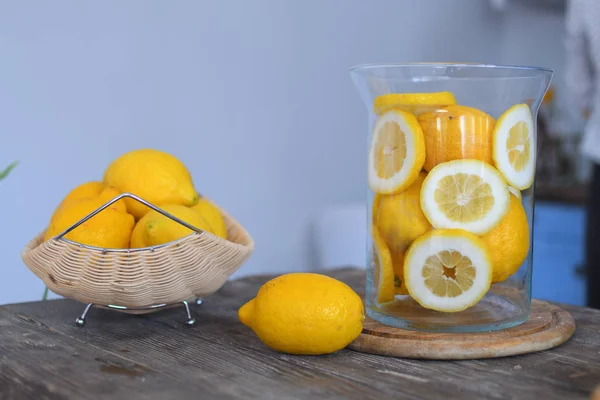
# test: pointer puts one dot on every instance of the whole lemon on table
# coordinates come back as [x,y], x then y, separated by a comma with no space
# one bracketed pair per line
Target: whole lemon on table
[304,313]
[153,175]
[213,216]
[109,229]
[399,217]
[508,242]
[457,132]
[154,228]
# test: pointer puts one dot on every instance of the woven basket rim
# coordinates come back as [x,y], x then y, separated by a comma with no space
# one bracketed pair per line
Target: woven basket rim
[82,276]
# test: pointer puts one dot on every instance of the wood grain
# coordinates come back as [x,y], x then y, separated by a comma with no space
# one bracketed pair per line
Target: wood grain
[548,326]
[118,356]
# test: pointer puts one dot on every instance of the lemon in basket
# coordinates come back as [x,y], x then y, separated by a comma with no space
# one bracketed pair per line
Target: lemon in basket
[448,270]
[153,175]
[304,313]
[154,228]
[213,216]
[109,229]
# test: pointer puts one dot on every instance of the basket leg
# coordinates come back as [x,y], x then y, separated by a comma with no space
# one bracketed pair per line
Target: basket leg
[80,321]
[198,302]
[190,321]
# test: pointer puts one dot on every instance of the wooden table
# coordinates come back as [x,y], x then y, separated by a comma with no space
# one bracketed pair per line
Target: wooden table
[43,355]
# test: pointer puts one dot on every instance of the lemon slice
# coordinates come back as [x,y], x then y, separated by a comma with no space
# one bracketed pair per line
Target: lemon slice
[414,102]
[514,146]
[383,269]
[397,152]
[448,270]
[465,194]
[515,192]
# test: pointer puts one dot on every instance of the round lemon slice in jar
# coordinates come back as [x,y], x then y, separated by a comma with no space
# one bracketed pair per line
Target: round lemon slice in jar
[465,194]
[448,270]
[383,269]
[416,103]
[514,146]
[397,152]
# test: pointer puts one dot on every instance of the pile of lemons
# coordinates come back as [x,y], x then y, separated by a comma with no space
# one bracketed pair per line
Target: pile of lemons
[447,215]
[153,175]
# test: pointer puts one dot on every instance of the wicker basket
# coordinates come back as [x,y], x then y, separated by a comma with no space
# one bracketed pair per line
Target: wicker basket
[139,279]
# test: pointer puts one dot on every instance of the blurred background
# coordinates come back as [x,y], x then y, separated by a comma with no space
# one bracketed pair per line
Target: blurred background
[256,99]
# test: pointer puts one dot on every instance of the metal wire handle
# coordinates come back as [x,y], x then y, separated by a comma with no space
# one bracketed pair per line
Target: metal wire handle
[131,196]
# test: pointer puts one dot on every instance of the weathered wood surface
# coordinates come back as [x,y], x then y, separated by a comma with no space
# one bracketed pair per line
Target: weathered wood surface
[116,356]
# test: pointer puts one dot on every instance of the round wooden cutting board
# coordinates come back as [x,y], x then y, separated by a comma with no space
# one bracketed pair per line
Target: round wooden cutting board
[548,326]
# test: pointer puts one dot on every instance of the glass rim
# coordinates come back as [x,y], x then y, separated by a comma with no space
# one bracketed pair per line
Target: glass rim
[368,66]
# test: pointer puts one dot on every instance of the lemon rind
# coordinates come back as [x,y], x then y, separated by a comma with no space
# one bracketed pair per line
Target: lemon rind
[517,113]
[485,171]
[415,153]
[447,239]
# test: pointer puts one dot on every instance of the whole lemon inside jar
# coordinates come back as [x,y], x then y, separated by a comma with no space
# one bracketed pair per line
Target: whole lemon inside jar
[457,132]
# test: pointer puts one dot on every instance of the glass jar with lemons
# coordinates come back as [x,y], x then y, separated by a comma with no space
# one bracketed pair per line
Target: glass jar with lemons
[451,167]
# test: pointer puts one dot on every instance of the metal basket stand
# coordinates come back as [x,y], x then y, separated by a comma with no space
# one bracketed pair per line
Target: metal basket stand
[81,320]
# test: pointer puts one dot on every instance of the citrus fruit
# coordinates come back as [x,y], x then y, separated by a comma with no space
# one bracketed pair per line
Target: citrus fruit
[88,189]
[465,194]
[109,229]
[509,242]
[398,264]
[399,217]
[448,270]
[154,228]
[304,313]
[514,146]
[153,175]
[397,152]
[91,190]
[213,216]
[515,192]
[383,269]
[412,102]
[456,132]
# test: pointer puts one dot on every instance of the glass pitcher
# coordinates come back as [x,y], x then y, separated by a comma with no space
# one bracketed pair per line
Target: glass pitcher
[451,168]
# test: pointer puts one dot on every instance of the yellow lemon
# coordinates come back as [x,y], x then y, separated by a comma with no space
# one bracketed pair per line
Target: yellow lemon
[399,217]
[415,103]
[304,313]
[213,216]
[94,189]
[383,269]
[457,132]
[509,241]
[154,228]
[88,189]
[465,194]
[397,152]
[514,146]
[448,270]
[398,266]
[153,175]
[109,229]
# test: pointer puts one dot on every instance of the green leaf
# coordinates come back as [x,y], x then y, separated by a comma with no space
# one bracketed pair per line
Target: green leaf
[4,174]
